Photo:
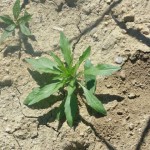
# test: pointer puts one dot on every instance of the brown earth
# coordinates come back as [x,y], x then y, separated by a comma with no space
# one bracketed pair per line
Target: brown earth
[118,32]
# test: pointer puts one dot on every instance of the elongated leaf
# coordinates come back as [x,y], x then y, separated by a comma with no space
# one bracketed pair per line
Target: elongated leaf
[71,106]
[43,65]
[57,59]
[5,35]
[39,94]
[61,111]
[90,80]
[16,9]
[24,29]
[71,109]
[93,102]
[10,27]
[7,19]
[102,69]
[24,19]
[65,49]
[83,57]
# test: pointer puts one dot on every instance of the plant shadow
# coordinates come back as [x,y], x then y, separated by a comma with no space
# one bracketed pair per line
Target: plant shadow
[27,47]
[144,135]
[3,25]
[132,32]
[50,117]
[106,98]
[41,79]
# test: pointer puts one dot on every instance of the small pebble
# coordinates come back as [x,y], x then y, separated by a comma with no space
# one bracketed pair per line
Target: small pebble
[131,126]
[122,75]
[119,112]
[108,85]
[131,95]
[108,1]
[118,60]
[5,118]
[8,130]
[133,58]
[145,57]
[134,82]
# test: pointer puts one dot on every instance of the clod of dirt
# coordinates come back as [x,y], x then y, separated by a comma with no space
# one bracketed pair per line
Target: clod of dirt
[129,18]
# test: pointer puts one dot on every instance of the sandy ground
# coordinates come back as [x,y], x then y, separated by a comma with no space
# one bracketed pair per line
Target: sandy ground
[119,33]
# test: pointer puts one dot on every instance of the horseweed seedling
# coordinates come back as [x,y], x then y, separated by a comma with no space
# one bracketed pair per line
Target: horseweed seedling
[68,79]
[16,22]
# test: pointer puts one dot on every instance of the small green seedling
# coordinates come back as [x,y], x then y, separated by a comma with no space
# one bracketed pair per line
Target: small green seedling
[68,79]
[17,21]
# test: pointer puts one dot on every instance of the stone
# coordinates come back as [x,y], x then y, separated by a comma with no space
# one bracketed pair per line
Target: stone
[5,118]
[131,95]
[6,81]
[108,1]
[122,74]
[131,126]
[119,60]
[108,85]
[119,112]
[145,31]
[129,18]
[123,31]
[111,105]
[145,56]
[86,10]
[134,82]
[9,130]
[133,58]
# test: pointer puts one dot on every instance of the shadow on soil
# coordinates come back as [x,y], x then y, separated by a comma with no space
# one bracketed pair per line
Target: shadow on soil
[132,32]
[106,98]
[27,47]
[143,136]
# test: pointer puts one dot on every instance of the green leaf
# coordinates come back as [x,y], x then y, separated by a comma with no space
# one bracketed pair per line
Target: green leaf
[10,27]
[24,19]
[24,29]
[5,35]
[43,65]
[39,94]
[93,102]
[65,49]
[16,9]
[102,69]
[61,111]
[7,19]
[89,79]
[57,59]
[71,106]
[83,57]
